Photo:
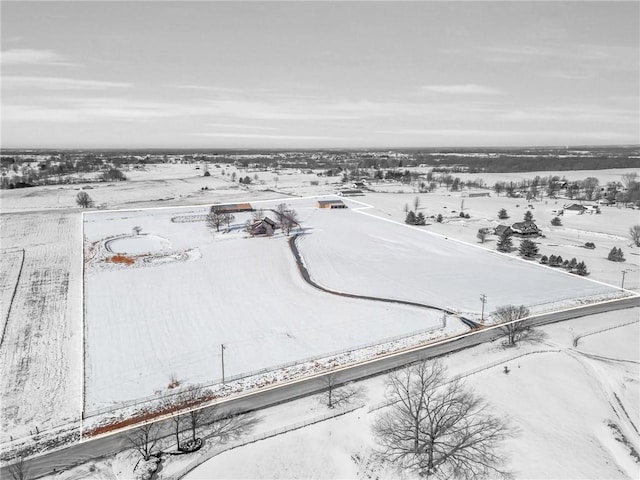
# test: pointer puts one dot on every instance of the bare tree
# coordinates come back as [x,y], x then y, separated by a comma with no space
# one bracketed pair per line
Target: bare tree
[215,218]
[513,329]
[257,215]
[177,423]
[634,233]
[288,218]
[416,203]
[84,200]
[144,439]
[336,396]
[482,234]
[19,470]
[439,428]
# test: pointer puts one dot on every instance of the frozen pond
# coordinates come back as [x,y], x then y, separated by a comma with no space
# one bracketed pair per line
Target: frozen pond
[138,244]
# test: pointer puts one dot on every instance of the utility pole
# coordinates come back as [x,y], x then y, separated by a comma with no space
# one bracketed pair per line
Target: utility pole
[624,272]
[222,347]
[483,299]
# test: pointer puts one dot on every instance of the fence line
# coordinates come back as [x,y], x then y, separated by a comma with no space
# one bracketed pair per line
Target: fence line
[577,338]
[240,376]
[387,403]
[256,438]
[13,296]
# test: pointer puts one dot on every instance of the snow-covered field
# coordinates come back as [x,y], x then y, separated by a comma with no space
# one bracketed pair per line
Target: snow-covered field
[41,354]
[167,316]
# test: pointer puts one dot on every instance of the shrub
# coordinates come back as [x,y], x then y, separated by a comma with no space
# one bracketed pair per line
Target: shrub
[556,222]
[439,218]
[590,245]
[122,259]
[544,260]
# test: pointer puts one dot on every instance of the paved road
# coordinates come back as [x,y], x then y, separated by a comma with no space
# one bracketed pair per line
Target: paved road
[116,441]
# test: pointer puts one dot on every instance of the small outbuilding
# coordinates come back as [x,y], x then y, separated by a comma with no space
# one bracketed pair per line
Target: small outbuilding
[232,208]
[331,204]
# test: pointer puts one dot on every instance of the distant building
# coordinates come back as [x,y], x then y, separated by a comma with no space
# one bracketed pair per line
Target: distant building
[232,208]
[351,192]
[526,228]
[331,204]
[574,208]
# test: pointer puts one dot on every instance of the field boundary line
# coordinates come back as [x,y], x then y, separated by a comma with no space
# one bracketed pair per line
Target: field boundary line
[460,376]
[577,338]
[13,296]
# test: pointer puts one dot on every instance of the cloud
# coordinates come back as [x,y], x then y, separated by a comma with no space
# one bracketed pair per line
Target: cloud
[466,89]
[263,136]
[239,126]
[59,83]
[88,110]
[28,56]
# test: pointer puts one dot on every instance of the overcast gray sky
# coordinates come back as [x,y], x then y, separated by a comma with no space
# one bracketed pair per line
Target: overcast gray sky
[319,74]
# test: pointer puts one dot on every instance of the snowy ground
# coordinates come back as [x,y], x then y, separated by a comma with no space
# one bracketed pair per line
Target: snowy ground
[41,354]
[197,290]
[561,401]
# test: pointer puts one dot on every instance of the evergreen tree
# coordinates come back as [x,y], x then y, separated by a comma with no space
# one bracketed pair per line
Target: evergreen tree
[420,220]
[502,214]
[410,218]
[581,269]
[573,264]
[439,218]
[528,249]
[528,216]
[504,243]
[544,260]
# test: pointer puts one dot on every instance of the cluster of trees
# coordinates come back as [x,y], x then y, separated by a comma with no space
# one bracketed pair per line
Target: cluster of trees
[616,255]
[56,171]
[219,426]
[216,218]
[579,268]
[246,180]
[413,219]
[548,159]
